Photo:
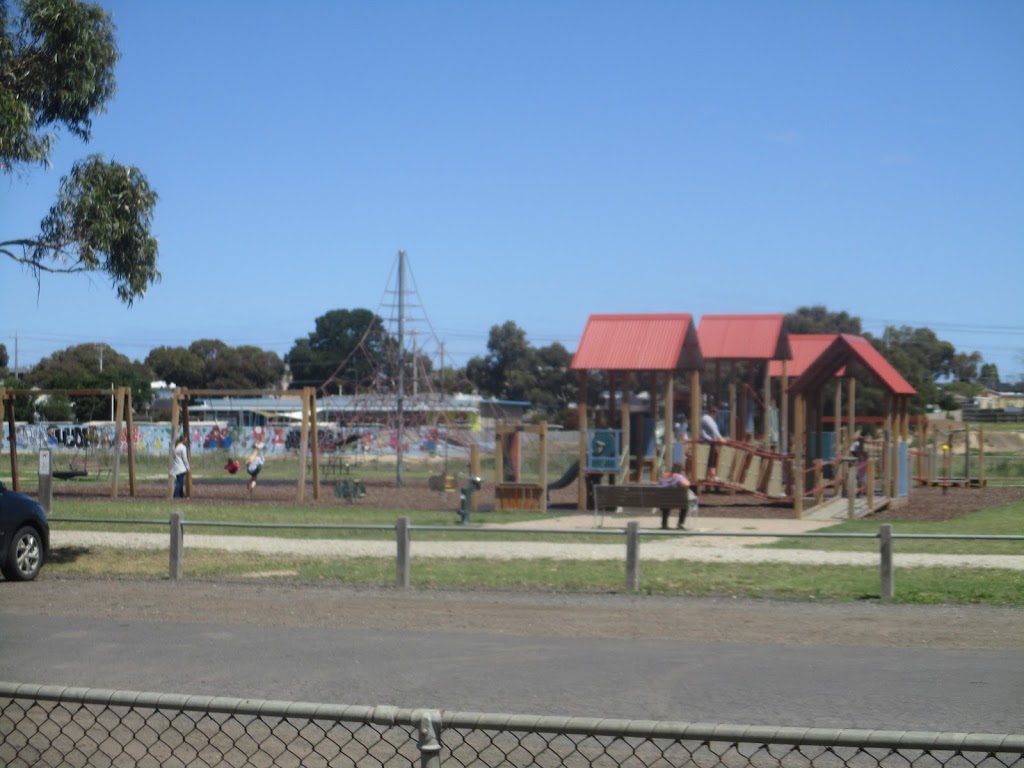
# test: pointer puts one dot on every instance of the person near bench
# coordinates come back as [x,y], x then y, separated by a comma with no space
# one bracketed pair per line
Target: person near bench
[674,478]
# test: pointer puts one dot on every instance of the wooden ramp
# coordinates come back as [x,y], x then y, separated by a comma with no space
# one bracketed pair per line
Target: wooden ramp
[838,508]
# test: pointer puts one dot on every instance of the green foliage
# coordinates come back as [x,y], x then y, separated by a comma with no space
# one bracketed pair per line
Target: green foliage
[818,319]
[514,370]
[57,69]
[55,408]
[4,359]
[212,364]
[79,367]
[350,349]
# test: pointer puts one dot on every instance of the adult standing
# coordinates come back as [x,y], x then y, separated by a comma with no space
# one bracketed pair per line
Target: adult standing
[709,432]
[179,466]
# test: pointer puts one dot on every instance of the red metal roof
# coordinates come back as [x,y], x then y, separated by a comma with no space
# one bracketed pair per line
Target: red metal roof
[743,337]
[806,348]
[653,342]
[844,350]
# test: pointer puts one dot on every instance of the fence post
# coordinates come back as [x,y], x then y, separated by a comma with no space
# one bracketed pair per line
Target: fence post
[427,741]
[402,540]
[851,491]
[888,589]
[632,556]
[177,570]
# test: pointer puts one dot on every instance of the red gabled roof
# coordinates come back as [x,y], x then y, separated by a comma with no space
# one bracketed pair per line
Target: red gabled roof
[743,337]
[806,348]
[655,342]
[846,349]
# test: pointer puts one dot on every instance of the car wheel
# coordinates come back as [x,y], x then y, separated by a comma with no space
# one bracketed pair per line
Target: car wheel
[25,555]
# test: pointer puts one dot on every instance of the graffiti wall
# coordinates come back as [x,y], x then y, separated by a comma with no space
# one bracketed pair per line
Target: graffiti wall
[155,439]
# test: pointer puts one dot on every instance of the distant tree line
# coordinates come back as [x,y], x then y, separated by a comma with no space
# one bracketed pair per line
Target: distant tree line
[351,351]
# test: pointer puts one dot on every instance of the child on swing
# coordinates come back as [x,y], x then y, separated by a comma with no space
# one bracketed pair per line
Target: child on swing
[253,465]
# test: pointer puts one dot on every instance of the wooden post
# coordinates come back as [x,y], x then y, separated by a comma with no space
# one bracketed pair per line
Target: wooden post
[869,482]
[888,582]
[402,565]
[131,441]
[981,455]
[819,491]
[543,437]
[838,448]
[316,443]
[176,568]
[632,556]
[118,421]
[784,409]
[799,414]
[767,398]
[582,426]
[733,433]
[670,422]
[627,437]
[300,486]
[695,398]
[851,407]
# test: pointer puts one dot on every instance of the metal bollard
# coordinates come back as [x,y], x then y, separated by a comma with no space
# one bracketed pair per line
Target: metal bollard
[177,569]
[45,481]
[466,498]
[402,541]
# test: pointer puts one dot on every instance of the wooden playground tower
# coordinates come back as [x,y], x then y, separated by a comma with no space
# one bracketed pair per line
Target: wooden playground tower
[654,350]
[510,490]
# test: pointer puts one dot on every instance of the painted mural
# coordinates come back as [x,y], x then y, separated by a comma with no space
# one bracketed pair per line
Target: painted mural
[155,439]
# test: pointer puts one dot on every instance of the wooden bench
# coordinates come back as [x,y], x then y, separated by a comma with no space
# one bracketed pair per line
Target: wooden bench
[643,496]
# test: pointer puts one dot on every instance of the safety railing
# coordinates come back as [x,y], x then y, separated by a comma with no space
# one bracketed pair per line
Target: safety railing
[56,726]
[632,534]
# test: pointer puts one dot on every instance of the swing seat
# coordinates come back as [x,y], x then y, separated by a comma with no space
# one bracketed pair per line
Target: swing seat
[67,474]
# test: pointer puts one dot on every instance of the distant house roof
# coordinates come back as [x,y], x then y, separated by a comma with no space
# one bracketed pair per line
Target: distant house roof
[806,348]
[844,350]
[650,342]
[743,337]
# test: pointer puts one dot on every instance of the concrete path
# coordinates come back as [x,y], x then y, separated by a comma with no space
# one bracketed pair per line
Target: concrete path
[724,540]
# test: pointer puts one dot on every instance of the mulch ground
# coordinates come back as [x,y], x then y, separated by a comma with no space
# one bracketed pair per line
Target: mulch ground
[925,503]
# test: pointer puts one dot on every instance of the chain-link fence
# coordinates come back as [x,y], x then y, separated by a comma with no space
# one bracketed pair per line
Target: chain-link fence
[55,726]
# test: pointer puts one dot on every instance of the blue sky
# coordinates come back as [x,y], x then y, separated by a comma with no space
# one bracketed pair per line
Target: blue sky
[543,161]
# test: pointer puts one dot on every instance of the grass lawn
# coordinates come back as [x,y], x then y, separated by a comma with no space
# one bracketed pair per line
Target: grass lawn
[771,581]
[1004,520]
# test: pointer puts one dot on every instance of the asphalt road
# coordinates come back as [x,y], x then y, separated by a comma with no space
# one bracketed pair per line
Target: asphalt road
[850,666]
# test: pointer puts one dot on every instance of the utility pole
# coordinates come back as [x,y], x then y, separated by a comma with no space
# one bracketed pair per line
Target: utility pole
[401,366]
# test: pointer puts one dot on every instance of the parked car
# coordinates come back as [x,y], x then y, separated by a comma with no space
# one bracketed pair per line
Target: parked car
[24,536]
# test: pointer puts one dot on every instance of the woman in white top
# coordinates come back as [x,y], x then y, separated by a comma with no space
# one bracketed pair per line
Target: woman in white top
[179,466]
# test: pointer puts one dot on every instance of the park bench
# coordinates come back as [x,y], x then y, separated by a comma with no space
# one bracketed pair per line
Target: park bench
[642,496]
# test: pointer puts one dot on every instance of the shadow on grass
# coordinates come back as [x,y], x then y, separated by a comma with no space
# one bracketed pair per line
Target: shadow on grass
[65,555]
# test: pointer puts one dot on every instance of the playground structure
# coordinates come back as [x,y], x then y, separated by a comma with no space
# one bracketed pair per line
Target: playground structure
[787,461]
[937,462]
[510,490]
